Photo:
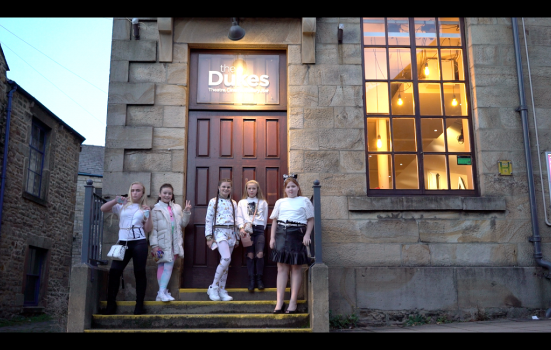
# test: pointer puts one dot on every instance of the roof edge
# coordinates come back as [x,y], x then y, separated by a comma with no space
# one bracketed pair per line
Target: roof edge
[27,94]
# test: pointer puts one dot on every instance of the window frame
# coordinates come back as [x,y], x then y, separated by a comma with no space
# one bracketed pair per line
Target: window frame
[412,47]
[42,155]
[42,256]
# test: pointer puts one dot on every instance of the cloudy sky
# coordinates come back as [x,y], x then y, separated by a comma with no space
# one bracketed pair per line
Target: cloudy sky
[64,63]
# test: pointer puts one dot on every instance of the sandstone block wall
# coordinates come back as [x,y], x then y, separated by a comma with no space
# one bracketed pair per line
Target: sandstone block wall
[27,223]
[326,140]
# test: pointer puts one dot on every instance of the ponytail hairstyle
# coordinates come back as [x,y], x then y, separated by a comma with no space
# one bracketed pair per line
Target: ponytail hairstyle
[286,182]
[166,186]
[217,198]
[259,193]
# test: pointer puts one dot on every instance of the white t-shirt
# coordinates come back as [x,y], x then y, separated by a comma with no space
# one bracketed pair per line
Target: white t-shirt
[246,208]
[130,216]
[297,209]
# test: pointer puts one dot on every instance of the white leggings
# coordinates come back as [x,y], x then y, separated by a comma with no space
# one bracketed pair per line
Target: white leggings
[221,274]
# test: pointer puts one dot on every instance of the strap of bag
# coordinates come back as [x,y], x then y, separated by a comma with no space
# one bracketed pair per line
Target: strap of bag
[255,209]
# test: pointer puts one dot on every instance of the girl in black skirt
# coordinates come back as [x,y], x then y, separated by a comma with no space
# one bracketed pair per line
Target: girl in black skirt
[293,220]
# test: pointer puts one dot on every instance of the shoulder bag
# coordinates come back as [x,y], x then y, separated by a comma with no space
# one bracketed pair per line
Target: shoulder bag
[117,251]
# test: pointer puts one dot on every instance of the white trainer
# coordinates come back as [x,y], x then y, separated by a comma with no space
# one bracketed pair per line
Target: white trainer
[161,296]
[224,295]
[169,296]
[213,293]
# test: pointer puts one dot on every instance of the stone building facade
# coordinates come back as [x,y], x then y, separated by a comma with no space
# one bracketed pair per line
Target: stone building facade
[90,167]
[37,216]
[388,256]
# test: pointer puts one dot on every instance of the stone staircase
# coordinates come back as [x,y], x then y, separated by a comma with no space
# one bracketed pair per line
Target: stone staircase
[194,312]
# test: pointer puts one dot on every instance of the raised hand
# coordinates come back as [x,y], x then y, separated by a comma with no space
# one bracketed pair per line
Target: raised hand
[188,206]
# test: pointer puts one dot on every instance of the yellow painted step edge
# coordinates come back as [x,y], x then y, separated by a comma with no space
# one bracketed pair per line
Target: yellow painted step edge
[204,330]
[170,316]
[191,303]
[229,290]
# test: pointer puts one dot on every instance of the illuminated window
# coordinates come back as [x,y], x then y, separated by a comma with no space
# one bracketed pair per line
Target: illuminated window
[418,119]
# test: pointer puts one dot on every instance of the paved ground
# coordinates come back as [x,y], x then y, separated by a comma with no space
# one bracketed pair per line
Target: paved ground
[495,326]
[32,327]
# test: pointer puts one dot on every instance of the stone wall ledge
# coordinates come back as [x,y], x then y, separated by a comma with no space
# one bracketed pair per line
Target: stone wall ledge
[426,203]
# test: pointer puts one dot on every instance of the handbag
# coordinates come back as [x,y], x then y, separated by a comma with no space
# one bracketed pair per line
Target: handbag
[117,251]
[246,240]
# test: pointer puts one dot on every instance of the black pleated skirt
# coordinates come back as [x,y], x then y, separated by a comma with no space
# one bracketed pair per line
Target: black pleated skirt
[288,246]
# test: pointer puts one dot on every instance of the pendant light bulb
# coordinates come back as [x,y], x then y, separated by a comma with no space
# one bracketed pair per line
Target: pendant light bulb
[379,142]
[427,71]
[400,101]
[454,101]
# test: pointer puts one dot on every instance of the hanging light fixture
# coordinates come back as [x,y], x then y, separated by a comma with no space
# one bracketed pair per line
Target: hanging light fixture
[400,101]
[454,101]
[460,138]
[236,32]
[427,71]
[379,142]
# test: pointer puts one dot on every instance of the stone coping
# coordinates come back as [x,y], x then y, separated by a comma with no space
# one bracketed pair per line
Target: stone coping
[426,203]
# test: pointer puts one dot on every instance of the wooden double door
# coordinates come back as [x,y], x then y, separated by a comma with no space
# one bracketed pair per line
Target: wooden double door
[241,146]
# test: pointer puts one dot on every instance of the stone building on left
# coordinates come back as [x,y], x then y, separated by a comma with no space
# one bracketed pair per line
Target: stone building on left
[39,167]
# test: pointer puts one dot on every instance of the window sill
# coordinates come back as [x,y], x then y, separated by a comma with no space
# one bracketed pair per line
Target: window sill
[428,203]
[35,199]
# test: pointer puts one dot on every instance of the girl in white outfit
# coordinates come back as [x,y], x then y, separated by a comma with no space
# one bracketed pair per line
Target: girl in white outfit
[134,224]
[220,233]
[293,221]
[166,237]
[253,208]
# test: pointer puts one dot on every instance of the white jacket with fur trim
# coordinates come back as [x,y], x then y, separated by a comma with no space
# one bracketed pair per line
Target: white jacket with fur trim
[161,234]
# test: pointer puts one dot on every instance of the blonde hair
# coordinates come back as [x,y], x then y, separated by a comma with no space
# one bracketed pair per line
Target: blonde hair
[259,193]
[141,200]
[286,182]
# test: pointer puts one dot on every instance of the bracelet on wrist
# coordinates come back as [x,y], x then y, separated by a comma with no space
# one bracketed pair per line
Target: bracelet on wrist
[209,238]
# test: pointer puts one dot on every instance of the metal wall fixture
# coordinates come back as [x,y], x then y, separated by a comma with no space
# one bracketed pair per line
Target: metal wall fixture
[340,32]
[236,32]
[136,28]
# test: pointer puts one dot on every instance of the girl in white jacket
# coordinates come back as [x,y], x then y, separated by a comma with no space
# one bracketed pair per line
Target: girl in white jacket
[166,237]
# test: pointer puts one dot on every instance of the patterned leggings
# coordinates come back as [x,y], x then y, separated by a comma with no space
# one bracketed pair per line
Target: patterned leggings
[221,274]
[164,271]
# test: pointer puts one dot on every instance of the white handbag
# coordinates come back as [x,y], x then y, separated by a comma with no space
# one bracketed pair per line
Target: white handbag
[117,251]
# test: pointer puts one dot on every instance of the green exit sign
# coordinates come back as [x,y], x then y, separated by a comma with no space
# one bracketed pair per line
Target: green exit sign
[464,160]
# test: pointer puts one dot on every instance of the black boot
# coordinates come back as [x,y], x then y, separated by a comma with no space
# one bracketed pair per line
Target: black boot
[138,309]
[259,282]
[251,284]
[111,308]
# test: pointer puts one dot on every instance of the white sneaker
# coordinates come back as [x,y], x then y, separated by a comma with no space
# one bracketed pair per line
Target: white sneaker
[213,293]
[224,295]
[162,297]
[169,296]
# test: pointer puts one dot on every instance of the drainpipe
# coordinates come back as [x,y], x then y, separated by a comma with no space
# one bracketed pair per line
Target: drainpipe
[536,238]
[6,144]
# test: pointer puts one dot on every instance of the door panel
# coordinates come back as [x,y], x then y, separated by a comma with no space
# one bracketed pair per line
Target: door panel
[241,146]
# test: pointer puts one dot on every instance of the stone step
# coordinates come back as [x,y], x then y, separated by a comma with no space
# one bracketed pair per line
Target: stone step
[204,307]
[243,294]
[200,321]
[204,330]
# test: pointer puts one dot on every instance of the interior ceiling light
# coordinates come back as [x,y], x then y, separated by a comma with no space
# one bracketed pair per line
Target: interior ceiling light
[427,71]
[461,138]
[400,102]
[236,32]
[379,142]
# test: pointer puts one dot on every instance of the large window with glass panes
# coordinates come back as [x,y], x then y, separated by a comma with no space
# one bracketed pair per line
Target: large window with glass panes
[418,119]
